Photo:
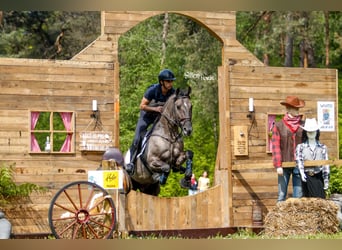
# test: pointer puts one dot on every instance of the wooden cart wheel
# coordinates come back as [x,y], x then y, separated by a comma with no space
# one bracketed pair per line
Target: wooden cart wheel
[82,210]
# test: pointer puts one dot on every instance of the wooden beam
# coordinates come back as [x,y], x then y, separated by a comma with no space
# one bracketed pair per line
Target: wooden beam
[265,165]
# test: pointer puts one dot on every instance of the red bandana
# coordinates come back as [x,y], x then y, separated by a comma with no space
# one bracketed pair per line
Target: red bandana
[292,122]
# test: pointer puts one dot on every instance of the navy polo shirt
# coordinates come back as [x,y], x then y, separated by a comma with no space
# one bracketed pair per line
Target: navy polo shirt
[154,92]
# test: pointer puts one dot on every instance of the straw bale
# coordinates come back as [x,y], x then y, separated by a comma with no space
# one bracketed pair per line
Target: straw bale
[302,216]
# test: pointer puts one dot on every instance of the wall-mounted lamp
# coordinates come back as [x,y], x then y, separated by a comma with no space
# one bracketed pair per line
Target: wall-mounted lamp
[95,113]
[94,105]
[96,116]
[251,108]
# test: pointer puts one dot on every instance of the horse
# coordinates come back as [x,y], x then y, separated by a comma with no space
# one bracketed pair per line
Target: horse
[162,148]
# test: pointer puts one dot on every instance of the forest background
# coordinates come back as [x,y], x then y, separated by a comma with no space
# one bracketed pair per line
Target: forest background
[278,38]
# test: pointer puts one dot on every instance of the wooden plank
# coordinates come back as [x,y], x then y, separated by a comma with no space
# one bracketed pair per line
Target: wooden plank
[336,162]
[24,62]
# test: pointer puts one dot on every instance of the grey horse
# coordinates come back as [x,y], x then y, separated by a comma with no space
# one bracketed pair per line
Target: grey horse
[162,148]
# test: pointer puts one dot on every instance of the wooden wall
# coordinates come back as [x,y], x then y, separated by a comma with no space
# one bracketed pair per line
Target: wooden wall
[28,84]
[146,212]
[253,175]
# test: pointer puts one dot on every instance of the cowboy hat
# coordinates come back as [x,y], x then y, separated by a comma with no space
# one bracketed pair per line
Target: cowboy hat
[310,125]
[293,101]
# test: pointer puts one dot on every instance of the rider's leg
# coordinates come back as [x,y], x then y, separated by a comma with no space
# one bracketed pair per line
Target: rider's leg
[139,130]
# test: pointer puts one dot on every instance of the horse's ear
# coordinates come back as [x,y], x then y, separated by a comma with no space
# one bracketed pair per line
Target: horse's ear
[177,91]
[189,91]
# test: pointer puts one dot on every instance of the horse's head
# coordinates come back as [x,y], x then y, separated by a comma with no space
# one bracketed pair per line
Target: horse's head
[183,110]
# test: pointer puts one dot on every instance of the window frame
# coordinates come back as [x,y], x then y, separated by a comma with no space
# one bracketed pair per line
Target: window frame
[51,132]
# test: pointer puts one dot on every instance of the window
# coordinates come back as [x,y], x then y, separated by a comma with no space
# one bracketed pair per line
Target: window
[52,132]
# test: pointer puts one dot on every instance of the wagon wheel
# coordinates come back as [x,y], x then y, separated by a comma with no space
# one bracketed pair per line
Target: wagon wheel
[82,210]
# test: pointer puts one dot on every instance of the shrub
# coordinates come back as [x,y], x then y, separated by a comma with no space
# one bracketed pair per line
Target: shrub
[9,189]
[335,185]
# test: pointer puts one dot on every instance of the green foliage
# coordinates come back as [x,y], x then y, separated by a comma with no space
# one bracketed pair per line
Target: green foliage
[335,184]
[263,32]
[32,34]
[9,189]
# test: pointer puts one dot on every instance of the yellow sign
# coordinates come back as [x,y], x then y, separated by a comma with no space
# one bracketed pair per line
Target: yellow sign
[108,179]
[111,179]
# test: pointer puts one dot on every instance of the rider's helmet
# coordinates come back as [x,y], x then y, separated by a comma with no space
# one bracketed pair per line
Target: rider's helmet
[113,153]
[167,75]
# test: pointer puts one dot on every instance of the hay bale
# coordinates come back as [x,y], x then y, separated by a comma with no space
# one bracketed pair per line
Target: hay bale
[302,216]
[337,198]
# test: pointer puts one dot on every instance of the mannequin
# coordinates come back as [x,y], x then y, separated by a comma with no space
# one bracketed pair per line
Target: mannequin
[315,180]
[286,135]
[292,113]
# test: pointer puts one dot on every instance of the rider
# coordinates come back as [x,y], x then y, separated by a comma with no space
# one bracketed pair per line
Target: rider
[158,93]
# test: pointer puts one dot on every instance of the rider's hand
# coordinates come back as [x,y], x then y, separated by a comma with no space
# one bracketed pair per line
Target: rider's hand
[159,109]
[280,171]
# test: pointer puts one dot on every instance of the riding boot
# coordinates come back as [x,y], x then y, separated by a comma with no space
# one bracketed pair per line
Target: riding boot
[133,154]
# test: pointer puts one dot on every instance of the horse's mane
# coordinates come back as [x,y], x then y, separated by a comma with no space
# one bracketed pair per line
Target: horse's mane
[168,105]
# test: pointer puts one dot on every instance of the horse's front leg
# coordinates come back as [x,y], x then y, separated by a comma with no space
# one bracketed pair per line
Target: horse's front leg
[186,181]
[160,170]
[181,159]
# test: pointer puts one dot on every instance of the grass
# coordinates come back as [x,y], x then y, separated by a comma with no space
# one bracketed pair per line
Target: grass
[248,234]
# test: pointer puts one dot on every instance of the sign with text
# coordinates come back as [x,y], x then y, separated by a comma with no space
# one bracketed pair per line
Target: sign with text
[108,179]
[326,116]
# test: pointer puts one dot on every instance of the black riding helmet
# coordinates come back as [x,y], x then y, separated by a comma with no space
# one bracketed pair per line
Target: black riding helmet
[167,75]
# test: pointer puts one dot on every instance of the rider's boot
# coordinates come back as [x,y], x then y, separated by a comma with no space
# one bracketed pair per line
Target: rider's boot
[130,166]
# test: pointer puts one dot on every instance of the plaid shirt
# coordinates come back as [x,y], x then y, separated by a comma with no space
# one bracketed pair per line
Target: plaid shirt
[320,152]
[276,151]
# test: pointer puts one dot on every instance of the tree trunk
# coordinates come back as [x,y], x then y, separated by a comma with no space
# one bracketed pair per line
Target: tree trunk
[266,59]
[303,55]
[164,38]
[288,50]
[1,18]
[289,42]
[327,40]
[307,58]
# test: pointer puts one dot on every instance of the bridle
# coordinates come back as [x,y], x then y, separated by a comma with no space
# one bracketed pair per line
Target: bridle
[179,122]
[174,122]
